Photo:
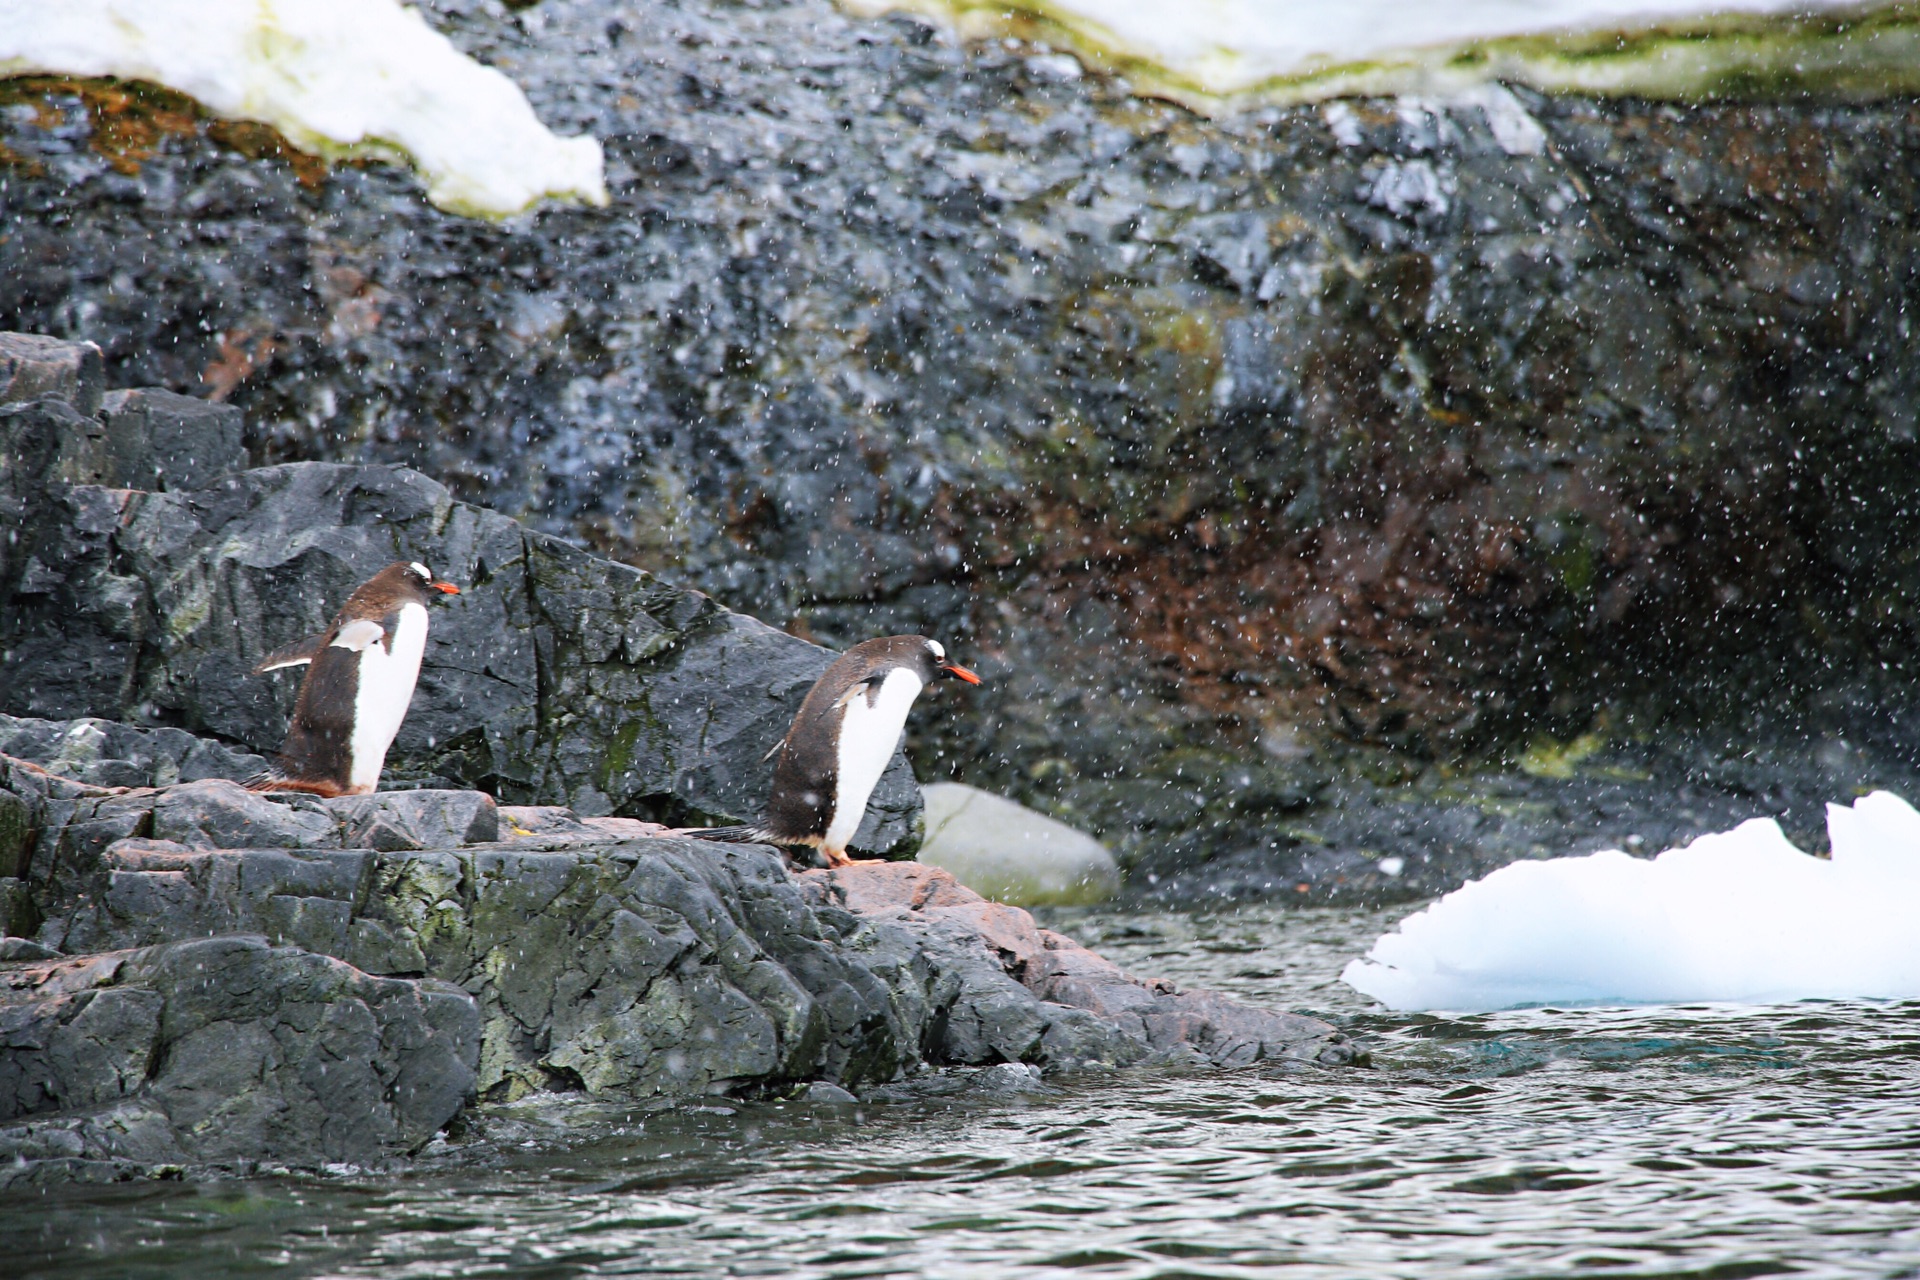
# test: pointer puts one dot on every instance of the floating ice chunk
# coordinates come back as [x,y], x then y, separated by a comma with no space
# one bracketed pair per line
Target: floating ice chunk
[335,76]
[1742,915]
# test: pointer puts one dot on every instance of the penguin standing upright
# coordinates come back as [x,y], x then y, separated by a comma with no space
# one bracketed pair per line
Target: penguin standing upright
[840,743]
[360,677]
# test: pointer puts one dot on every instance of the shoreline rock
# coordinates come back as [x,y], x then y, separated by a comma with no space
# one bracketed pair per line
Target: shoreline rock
[221,1051]
[549,951]
[987,943]
[1305,445]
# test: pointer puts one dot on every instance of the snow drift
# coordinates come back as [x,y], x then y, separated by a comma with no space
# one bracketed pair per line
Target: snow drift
[337,77]
[1741,915]
[1207,52]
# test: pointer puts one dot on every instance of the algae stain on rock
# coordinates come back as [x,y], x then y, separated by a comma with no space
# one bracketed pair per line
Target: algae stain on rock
[130,121]
[1546,758]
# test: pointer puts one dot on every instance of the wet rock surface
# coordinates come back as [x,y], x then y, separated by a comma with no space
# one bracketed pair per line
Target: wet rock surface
[1420,830]
[1419,425]
[106,753]
[164,441]
[1027,991]
[38,367]
[221,1051]
[198,953]
[153,605]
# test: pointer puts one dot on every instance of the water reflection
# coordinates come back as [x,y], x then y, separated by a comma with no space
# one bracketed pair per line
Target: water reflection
[1693,1141]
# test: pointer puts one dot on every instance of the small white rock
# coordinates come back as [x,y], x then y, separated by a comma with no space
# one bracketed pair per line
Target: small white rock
[1514,130]
[1063,67]
[1008,852]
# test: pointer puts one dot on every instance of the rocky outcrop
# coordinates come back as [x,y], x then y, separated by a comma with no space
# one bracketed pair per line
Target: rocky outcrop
[36,367]
[106,753]
[1224,444]
[554,677]
[1031,994]
[495,951]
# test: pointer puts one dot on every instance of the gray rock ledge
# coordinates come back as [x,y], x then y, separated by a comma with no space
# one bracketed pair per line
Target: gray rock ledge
[449,950]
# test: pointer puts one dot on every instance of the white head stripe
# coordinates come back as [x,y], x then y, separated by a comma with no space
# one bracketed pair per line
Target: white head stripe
[939,654]
[422,570]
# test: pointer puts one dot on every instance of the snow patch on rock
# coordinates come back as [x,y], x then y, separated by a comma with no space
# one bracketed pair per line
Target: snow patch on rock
[337,77]
[1205,51]
[1741,915]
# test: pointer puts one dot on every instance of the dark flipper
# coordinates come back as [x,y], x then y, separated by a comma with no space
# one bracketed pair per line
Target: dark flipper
[293,655]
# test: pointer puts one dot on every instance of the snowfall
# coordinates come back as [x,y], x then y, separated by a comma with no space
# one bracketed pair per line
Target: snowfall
[1740,916]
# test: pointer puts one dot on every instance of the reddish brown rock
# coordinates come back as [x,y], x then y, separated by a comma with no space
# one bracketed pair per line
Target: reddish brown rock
[1138,1019]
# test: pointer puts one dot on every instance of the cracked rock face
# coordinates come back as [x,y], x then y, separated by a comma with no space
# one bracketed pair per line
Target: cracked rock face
[1032,995]
[221,1051]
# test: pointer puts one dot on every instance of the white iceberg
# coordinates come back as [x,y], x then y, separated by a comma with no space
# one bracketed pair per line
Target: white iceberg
[1741,916]
[337,77]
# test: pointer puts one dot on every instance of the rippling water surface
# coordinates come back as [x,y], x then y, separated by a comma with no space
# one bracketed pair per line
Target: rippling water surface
[1703,1141]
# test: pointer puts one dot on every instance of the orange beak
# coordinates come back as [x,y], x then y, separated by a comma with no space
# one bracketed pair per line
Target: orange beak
[447,587]
[960,672]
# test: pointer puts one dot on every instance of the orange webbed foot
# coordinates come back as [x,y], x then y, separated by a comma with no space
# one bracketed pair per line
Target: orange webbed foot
[837,858]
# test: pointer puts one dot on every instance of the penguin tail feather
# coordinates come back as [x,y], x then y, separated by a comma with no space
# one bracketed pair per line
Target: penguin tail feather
[733,835]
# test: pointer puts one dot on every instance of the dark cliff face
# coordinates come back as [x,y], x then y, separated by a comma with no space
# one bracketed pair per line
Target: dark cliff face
[1402,424]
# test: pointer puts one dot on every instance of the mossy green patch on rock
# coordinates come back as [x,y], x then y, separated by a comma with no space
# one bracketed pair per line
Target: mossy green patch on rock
[1545,758]
[16,834]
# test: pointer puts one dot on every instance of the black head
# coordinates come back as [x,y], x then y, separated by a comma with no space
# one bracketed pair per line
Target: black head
[395,585]
[424,576]
[941,667]
[916,653]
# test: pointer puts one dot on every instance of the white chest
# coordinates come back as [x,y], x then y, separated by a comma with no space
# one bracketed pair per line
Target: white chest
[869,735]
[387,677]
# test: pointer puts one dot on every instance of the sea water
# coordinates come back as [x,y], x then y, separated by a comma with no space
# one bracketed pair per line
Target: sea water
[1705,1140]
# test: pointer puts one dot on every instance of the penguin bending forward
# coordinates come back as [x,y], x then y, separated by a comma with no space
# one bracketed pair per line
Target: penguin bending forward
[840,743]
[360,677]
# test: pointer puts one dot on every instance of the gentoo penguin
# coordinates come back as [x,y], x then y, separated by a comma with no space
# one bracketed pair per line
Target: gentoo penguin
[840,743]
[360,677]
